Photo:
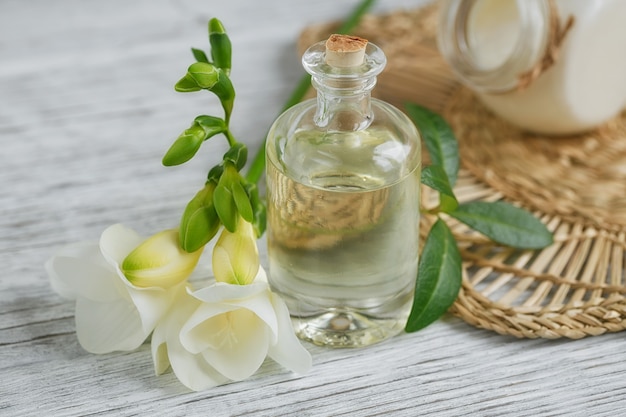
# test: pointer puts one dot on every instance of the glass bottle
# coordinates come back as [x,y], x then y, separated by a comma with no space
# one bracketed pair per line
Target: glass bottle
[548,66]
[343,175]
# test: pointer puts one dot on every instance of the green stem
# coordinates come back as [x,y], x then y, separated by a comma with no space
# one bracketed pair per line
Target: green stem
[258,163]
[230,137]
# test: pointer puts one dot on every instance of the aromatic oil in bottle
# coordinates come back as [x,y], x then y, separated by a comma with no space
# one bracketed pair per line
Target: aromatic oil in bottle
[343,174]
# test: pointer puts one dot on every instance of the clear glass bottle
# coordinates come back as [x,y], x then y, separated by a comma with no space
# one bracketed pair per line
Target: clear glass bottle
[343,175]
[548,66]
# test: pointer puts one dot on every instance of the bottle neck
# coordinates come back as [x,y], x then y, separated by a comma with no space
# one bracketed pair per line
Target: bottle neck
[491,44]
[343,105]
[343,93]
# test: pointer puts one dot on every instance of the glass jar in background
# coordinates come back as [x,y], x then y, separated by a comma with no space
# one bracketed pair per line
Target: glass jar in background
[343,174]
[548,66]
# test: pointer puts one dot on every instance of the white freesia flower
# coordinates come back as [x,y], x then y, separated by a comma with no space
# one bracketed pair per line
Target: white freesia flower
[126,287]
[224,332]
[111,313]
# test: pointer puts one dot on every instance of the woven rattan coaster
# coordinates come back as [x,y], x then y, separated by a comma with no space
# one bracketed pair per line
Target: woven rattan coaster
[576,185]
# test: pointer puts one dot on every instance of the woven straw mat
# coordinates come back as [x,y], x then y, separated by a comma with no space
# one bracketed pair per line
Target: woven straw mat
[575,185]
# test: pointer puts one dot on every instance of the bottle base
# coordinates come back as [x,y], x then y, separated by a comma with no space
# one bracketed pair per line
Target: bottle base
[345,328]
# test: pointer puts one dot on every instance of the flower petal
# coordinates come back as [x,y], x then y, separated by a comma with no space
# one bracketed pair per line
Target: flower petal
[223,268]
[261,305]
[288,351]
[79,270]
[206,327]
[232,328]
[261,276]
[244,344]
[236,256]
[153,303]
[202,329]
[192,370]
[221,291]
[108,327]
[168,329]
[117,241]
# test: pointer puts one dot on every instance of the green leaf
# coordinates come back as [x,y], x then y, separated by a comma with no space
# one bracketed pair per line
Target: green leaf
[200,222]
[199,55]
[187,84]
[438,278]
[242,201]
[221,49]
[504,223]
[439,139]
[435,177]
[237,154]
[225,207]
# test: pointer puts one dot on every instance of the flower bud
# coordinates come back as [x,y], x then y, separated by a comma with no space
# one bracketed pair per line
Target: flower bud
[221,49]
[204,74]
[159,262]
[185,147]
[237,154]
[236,256]
[199,223]
[223,199]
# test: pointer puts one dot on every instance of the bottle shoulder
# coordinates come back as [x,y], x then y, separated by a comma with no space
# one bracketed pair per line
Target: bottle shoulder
[389,149]
[385,116]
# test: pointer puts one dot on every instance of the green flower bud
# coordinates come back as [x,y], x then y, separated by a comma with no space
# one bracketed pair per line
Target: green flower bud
[216,26]
[258,208]
[202,75]
[238,155]
[231,199]
[225,207]
[159,262]
[221,49]
[223,197]
[205,75]
[200,222]
[211,124]
[187,84]
[185,147]
[225,91]
[215,173]
[242,201]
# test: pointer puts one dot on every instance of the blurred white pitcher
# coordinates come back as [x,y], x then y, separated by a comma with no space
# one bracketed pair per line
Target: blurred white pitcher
[548,66]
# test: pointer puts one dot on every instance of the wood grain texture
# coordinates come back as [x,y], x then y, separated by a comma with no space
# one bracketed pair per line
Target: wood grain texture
[87,110]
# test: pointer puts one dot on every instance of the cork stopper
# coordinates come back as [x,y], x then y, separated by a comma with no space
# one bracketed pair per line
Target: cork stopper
[344,51]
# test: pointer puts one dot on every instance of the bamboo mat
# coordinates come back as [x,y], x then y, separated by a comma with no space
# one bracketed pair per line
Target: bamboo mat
[576,185]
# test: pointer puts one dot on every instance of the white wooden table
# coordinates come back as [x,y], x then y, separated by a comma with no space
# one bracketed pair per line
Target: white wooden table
[87,109]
